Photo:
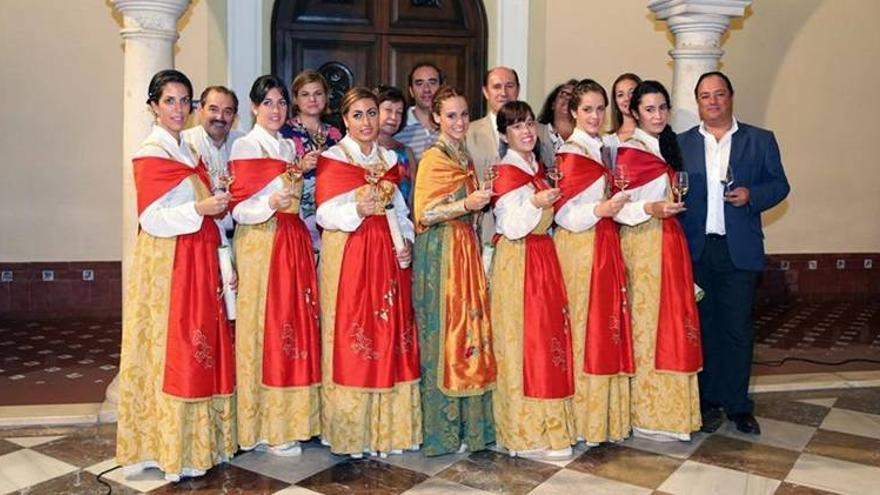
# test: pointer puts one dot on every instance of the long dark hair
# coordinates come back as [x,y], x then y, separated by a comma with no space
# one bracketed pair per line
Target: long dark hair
[546,115]
[668,140]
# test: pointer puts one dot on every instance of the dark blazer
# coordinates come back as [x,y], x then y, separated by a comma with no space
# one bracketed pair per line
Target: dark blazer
[754,156]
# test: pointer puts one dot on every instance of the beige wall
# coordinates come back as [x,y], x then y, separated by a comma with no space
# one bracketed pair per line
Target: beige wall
[799,68]
[61,130]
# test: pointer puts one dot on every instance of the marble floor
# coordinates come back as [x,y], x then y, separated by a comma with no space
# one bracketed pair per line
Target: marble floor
[814,442]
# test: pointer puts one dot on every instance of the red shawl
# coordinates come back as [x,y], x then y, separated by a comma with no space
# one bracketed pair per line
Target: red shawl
[199,355]
[678,346]
[376,342]
[291,335]
[608,349]
[547,351]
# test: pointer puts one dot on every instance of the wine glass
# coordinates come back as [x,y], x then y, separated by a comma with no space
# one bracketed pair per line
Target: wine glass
[728,180]
[320,139]
[224,180]
[374,175]
[555,175]
[680,185]
[621,177]
[294,172]
[489,176]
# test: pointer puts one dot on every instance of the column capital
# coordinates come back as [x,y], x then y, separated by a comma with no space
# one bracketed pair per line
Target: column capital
[664,9]
[150,18]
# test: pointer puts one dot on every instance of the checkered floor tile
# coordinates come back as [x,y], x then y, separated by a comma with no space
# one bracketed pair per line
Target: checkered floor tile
[813,442]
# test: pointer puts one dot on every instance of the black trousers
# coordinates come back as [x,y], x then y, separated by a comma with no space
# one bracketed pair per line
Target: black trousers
[726,321]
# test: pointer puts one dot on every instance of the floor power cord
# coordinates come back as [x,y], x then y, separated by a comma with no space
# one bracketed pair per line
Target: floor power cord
[101,481]
[779,362]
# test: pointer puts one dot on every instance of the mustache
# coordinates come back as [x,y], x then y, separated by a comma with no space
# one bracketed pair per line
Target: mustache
[217,122]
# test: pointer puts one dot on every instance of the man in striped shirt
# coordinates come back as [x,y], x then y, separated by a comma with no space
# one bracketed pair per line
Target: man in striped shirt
[420,131]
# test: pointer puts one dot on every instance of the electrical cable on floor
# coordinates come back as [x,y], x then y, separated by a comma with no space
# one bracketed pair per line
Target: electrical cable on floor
[779,362]
[109,488]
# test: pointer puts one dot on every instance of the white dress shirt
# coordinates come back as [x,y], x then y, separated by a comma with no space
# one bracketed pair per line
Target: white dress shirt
[216,159]
[515,215]
[260,143]
[633,212]
[340,212]
[717,162]
[578,213]
[175,212]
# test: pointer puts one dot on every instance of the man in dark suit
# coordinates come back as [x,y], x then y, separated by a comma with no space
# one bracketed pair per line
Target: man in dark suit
[735,173]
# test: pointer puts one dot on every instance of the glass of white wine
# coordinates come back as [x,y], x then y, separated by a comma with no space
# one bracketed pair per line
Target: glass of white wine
[621,177]
[728,180]
[680,185]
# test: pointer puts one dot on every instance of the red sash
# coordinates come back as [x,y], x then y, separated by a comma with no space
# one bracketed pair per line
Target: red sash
[199,356]
[678,347]
[334,177]
[547,351]
[510,177]
[608,349]
[291,335]
[376,343]
[251,176]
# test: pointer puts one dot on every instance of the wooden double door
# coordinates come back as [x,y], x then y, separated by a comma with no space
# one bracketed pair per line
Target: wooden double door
[371,42]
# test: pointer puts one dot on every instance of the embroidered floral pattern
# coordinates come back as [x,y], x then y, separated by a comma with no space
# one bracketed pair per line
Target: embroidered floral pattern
[566,321]
[289,345]
[362,345]
[204,354]
[388,302]
[407,338]
[692,332]
[558,354]
[312,303]
[614,328]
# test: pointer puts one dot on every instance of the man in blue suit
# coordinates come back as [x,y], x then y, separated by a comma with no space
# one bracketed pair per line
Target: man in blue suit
[735,173]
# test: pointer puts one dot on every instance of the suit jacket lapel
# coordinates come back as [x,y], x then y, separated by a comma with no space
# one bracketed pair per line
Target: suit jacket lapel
[738,147]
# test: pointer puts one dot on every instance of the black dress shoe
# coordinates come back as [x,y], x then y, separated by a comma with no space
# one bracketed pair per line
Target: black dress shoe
[746,423]
[712,419]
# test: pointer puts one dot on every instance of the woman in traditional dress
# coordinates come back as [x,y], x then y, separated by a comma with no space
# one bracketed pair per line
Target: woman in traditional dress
[665,399]
[277,338]
[555,114]
[530,323]
[450,295]
[595,276]
[622,122]
[311,135]
[176,371]
[370,344]
[392,108]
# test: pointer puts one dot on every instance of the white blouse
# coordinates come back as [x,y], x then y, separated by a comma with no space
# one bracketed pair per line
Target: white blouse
[340,212]
[175,212]
[578,213]
[515,215]
[258,144]
[633,212]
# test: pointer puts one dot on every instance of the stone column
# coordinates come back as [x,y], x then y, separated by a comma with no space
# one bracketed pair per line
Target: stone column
[149,32]
[698,26]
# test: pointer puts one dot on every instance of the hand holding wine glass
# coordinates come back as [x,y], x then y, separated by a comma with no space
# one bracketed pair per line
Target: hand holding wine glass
[728,180]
